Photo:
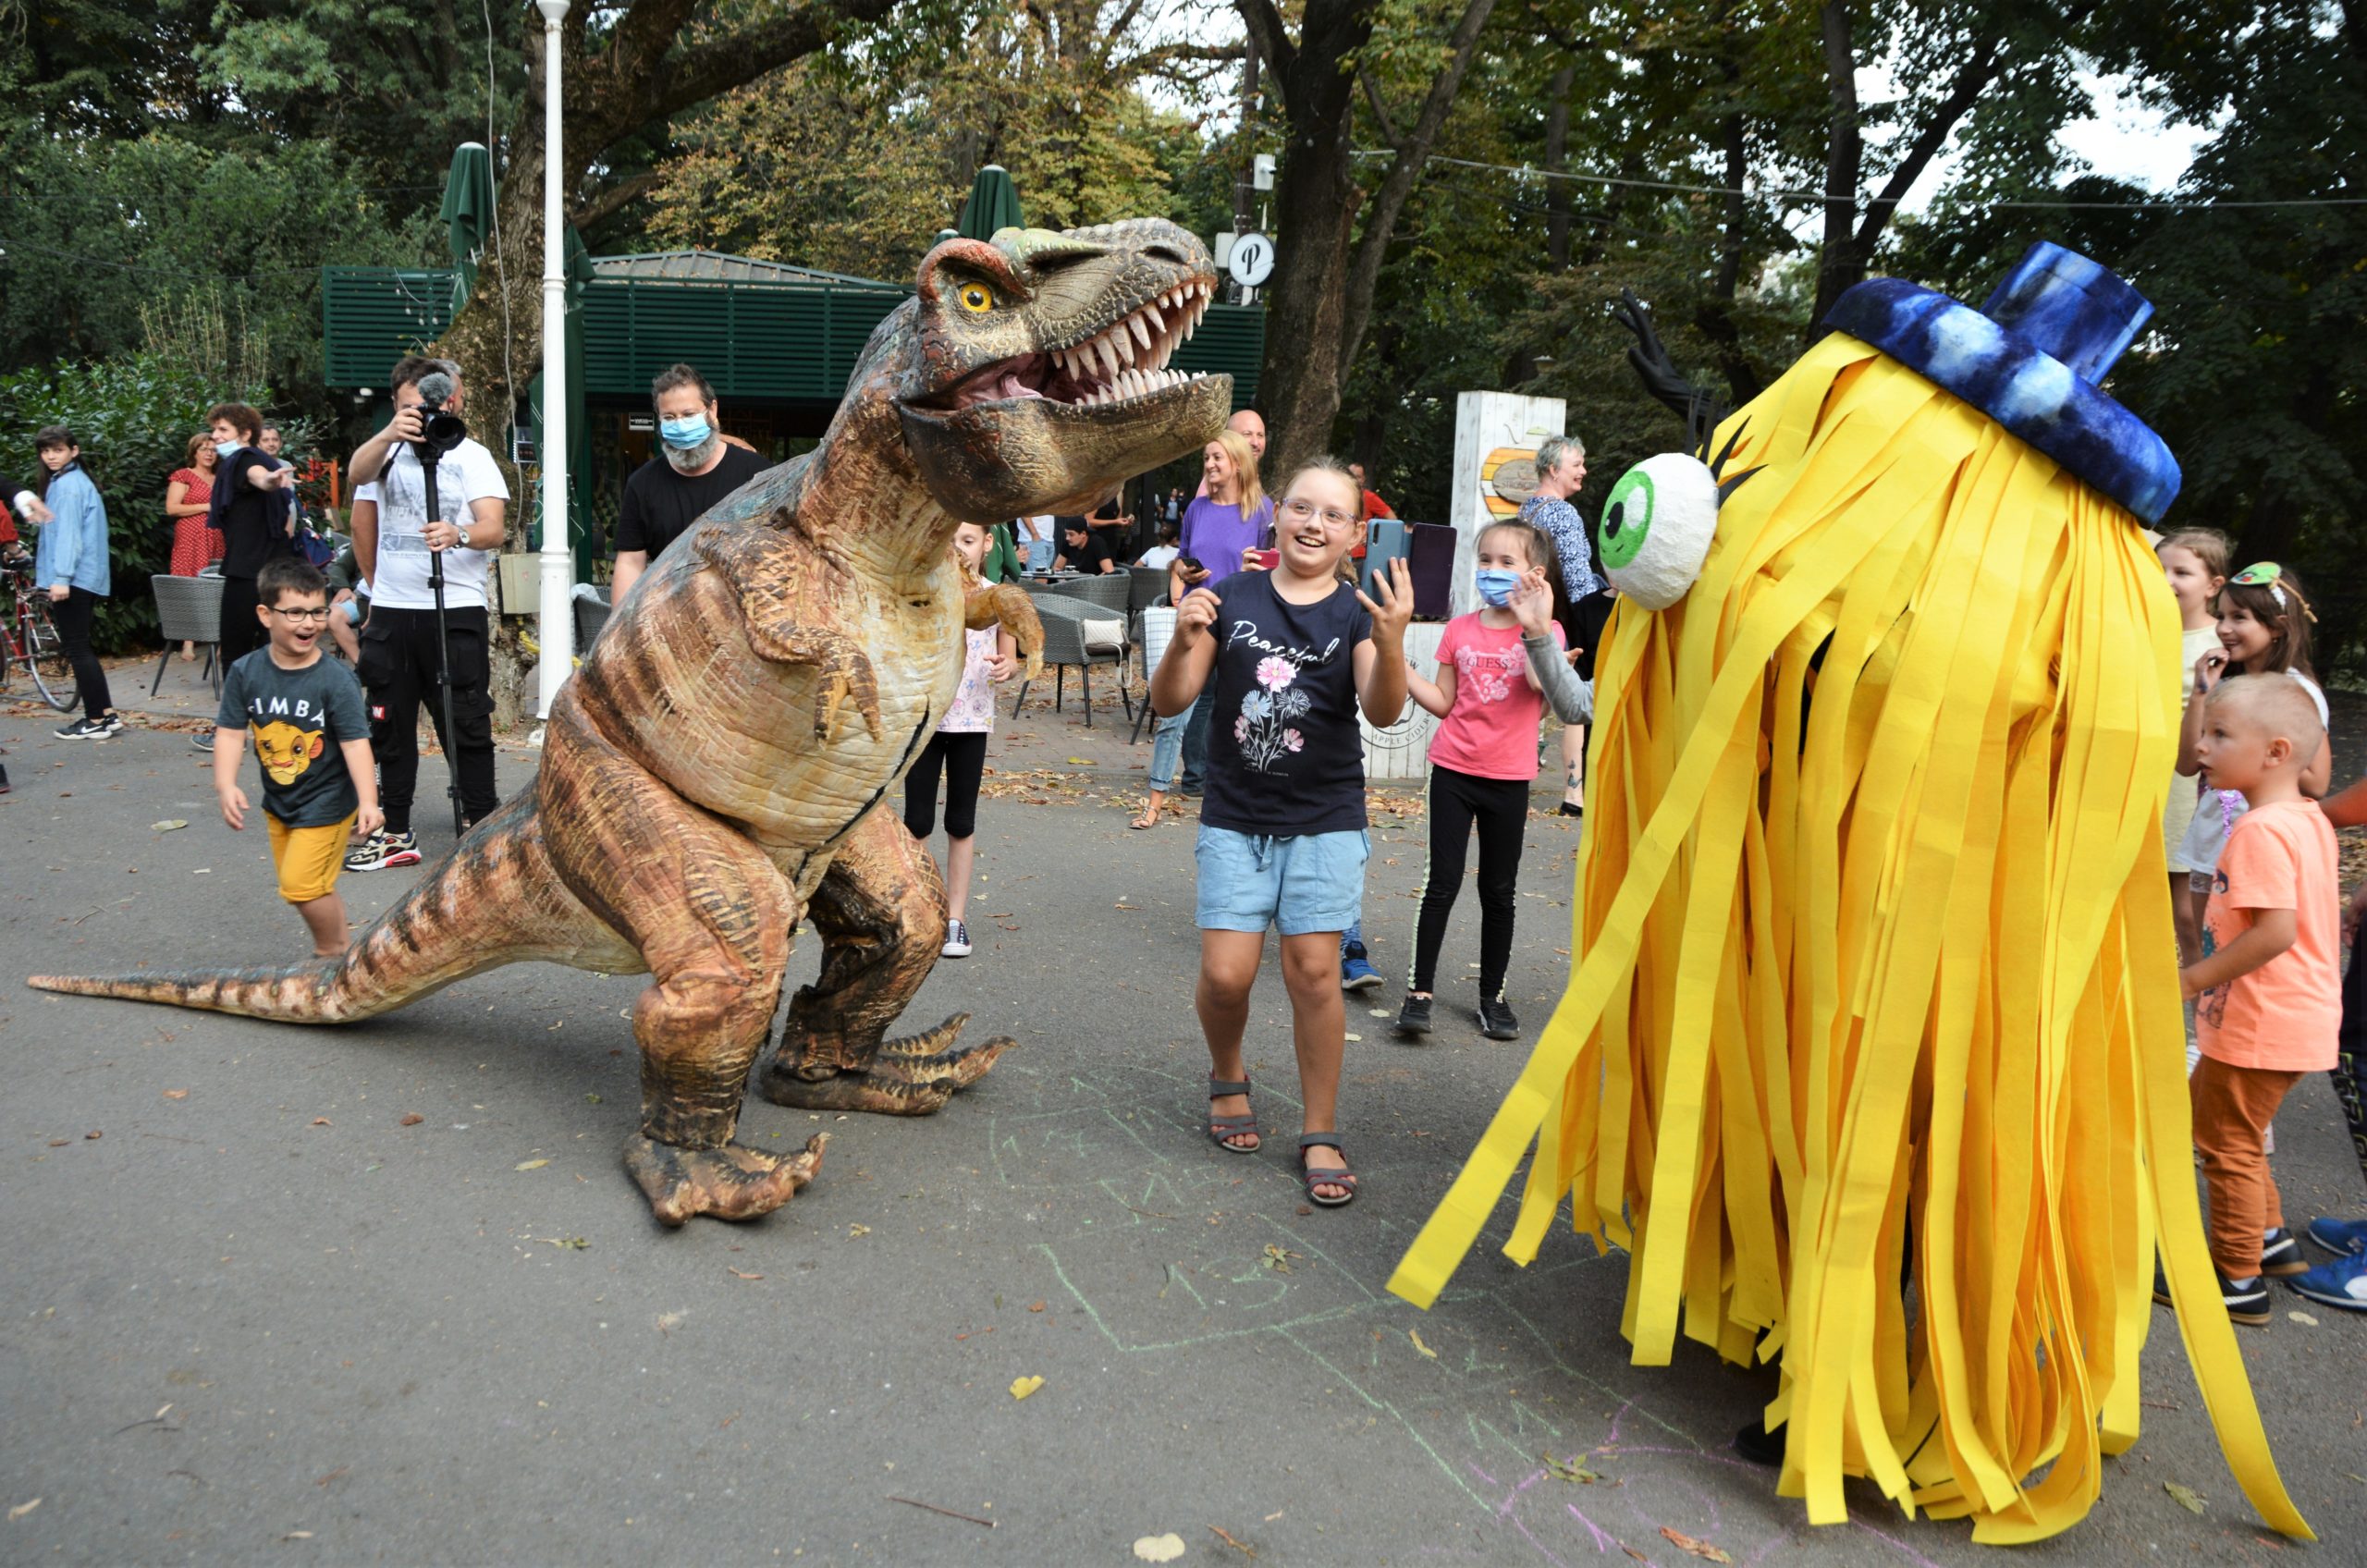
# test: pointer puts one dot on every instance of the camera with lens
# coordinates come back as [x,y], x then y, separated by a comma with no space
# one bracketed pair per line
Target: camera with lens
[439,433]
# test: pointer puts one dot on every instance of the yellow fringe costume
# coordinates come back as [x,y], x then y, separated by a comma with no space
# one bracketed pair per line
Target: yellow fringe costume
[1875,955]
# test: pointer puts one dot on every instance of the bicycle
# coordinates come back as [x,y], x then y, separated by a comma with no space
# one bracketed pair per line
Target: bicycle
[29,639]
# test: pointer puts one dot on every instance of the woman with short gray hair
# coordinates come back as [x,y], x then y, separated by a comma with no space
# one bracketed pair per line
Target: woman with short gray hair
[1584,605]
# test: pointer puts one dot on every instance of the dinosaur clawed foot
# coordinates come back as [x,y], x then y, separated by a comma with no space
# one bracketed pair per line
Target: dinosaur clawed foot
[730,1182]
[912,1076]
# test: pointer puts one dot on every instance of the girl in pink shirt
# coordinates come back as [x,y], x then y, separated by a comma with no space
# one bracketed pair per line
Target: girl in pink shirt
[1482,760]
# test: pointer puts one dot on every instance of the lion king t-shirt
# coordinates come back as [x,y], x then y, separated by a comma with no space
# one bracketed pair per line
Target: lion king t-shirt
[298,720]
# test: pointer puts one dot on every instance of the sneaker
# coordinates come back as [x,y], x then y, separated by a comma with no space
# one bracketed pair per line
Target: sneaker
[957,940]
[91,728]
[2246,1302]
[382,850]
[1414,1018]
[2344,1238]
[2280,1255]
[203,740]
[1496,1020]
[1356,973]
[2341,1284]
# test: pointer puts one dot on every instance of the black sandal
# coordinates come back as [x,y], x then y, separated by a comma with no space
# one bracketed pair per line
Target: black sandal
[1312,1179]
[1223,1127]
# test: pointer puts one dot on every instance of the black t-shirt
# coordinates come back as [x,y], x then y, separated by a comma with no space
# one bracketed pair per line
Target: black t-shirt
[1091,556]
[253,522]
[1285,757]
[660,503]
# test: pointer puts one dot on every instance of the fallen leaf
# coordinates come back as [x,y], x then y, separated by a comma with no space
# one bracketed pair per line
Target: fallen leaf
[297,1536]
[168,824]
[1702,1549]
[332,1475]
[1226,1536]
[93,1132]
[567,1244]
[176,1094]
[1022,1387]
[2185,1497]
[323,1121]
[1150,1548]
[411,1119]
[1633,1552]
[854,1231]
[1357,1037]
[201,871]
[669,1321]
[1415,1335]
[1037,1306]
[742,1273]
[1083,762]
[2303,1317]
[1572,1469]
[24,1508]
[1274,1516]
[530,1165]
[1381,1013]
[59,1143]
[1278,1258]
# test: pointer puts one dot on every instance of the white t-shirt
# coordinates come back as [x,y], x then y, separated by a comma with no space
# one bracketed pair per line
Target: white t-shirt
[466,474]
[1161,555]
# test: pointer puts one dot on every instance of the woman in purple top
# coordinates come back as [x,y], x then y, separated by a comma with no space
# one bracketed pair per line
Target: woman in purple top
[1235,516]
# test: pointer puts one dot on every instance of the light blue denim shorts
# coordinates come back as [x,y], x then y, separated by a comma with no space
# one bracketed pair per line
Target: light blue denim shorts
[1311,882]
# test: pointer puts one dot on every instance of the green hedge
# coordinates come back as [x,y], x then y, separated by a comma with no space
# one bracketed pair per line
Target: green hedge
[133,414]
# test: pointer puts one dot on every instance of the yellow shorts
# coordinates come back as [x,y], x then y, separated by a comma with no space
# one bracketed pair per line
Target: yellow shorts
[308,858]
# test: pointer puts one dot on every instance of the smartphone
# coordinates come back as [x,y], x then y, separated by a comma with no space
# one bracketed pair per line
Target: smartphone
[1270,560]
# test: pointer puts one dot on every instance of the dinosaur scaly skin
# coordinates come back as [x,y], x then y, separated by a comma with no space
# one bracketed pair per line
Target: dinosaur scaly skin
[711,775]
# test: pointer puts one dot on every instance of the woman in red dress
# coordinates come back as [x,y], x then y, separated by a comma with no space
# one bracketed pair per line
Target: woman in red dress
[188,497]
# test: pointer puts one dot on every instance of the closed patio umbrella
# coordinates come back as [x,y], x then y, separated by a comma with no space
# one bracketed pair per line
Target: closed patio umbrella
[467,215]
[993,205]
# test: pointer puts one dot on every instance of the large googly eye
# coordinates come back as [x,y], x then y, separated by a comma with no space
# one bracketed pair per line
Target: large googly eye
[1657,526]
[976,297]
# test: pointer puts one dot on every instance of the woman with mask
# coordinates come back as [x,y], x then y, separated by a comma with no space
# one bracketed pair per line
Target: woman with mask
[696,466]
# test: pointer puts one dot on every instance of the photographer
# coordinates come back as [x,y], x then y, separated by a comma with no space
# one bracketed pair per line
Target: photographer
[393,539]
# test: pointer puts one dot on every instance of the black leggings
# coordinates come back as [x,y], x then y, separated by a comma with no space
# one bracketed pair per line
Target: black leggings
[71,616]
[243,630]
[1500,808]
[2350,1050]
[962,755]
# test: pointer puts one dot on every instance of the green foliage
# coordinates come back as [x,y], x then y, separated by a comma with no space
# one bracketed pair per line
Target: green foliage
[133,415]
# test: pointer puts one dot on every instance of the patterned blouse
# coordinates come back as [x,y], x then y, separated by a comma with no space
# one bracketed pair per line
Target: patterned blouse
[1568,531]
[972,712]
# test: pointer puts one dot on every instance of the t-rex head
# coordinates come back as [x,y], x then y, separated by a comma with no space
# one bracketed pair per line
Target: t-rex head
[1039,379]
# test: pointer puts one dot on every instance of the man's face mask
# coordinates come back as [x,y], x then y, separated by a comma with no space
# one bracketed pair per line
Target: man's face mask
[683,434]
[225,451]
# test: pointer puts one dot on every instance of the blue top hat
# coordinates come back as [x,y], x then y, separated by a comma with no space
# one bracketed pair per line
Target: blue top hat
[2029,358]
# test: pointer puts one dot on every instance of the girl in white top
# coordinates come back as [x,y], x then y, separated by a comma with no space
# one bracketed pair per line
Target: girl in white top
[2195,561]
[2264,630]
[958,752]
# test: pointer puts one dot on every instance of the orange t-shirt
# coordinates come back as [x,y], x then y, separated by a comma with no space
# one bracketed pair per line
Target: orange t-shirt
[2283,1015]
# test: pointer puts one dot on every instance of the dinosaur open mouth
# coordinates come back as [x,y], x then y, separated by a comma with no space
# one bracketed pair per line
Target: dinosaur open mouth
[1118,364]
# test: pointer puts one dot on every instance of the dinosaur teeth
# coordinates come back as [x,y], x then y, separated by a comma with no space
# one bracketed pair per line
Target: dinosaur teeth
[1142,334]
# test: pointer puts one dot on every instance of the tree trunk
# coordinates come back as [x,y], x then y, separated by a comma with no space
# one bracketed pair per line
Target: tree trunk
[1716,318]
[1557,155]
[1838,264]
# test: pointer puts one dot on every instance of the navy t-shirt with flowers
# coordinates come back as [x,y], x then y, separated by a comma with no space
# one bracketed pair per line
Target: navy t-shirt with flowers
[1285,758]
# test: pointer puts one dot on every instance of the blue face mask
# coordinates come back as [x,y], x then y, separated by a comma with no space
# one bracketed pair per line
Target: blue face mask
[1495,585]
[225,451]
[683,434]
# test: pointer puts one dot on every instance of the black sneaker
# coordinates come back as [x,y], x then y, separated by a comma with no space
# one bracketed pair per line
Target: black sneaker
[382,850]
[1414,1018]
[2246,1302]
[1496,1020]
[90,729]
[2280,1254]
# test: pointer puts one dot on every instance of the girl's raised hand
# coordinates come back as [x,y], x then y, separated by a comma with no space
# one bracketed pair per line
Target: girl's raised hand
[1390,604]
[2208,668]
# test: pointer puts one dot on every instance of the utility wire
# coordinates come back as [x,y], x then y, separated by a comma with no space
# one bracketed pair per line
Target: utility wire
[1787,193]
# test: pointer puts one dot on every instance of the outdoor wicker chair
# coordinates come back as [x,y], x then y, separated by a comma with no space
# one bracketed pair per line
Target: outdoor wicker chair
[591,614]
[1065,644]
[189,609]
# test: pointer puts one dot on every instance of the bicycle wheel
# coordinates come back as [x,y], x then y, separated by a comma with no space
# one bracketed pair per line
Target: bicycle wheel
[45,657]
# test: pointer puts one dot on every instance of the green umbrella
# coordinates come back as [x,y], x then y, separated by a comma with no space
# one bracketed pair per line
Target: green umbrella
[468,214]
[993,205]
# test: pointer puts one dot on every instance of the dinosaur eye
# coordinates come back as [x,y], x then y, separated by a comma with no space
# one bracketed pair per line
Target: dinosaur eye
[1657,525]
[976,297]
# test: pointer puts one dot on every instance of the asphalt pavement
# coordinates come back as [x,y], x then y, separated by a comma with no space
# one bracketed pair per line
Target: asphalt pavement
[385,1294]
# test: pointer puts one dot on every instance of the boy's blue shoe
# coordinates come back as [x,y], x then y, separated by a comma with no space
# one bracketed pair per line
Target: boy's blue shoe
[1356,973]
[2341,1284]
[2344,1238]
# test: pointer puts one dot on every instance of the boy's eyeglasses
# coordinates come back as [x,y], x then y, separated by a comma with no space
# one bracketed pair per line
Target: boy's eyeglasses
[1299,511]
[321,613]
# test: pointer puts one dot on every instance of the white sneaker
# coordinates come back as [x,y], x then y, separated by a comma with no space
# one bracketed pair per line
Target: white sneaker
[957,940]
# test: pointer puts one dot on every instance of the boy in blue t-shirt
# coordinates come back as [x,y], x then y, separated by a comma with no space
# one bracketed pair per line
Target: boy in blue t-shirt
[313,736]
[1293,653]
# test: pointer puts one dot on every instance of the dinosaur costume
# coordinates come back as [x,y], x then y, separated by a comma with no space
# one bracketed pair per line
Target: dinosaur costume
[1876,975]
[711,774]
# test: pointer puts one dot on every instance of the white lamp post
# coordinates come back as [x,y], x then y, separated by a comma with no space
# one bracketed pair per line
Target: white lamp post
[558,567]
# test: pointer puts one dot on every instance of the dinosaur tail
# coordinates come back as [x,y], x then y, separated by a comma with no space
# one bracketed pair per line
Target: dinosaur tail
[495,900]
